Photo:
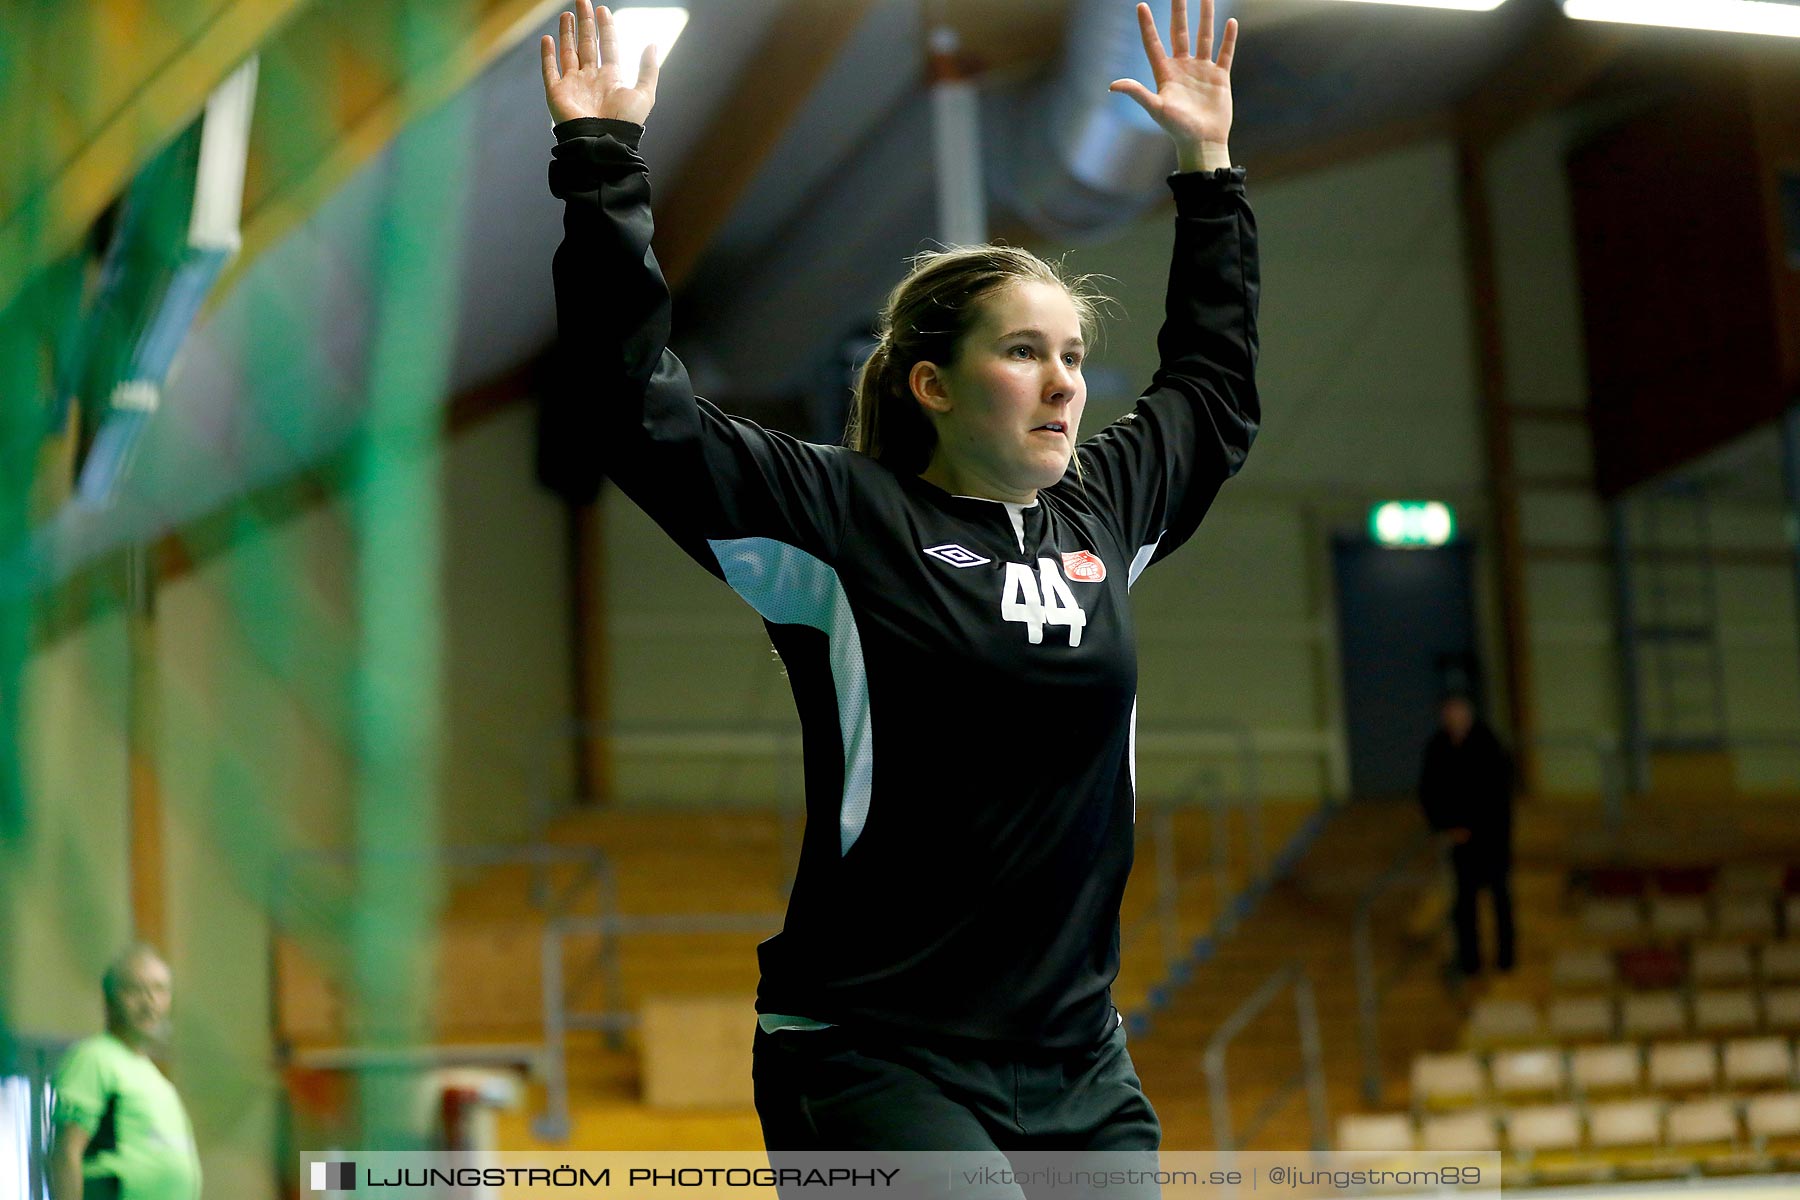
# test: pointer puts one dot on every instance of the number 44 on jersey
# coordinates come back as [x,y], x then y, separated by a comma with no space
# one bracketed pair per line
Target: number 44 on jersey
[1039,598]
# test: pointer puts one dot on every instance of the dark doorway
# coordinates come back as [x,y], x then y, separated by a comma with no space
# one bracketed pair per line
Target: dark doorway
[1406,632]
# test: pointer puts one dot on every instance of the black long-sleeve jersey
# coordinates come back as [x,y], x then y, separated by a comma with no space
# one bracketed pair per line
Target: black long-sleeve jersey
[964,669]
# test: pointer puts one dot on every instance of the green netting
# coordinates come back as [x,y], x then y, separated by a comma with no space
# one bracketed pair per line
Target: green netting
[287,657]
[398,548]
[29,322]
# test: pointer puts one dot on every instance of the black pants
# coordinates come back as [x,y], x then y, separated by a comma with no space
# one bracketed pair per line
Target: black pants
[831,1089]
[1479,869]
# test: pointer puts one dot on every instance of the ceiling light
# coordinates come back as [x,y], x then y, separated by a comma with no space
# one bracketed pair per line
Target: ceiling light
[636,28]
[1726,16]
[1464,5]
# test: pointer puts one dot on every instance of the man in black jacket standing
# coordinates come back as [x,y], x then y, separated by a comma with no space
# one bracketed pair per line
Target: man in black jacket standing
[1466,787]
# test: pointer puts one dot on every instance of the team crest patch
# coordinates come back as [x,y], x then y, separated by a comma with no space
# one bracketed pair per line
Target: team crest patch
[955,555]
[1083,566]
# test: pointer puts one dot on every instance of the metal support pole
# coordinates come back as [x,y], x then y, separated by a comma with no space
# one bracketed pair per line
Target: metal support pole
[1220,1096]
[1481,264]
[1221,851]
[537,782]
[1167,885]
[1312,1059]
[1710,604]
[1250,784]
[1636,751]
[1369,983]
[1790,480]
[553,1124]
[790,809]
[1368,1007]
[1612,783]
[612,978]
[956,138]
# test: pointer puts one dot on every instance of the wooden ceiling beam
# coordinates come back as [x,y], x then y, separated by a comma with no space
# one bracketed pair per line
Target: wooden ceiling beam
[800,46]
[1004,37]
[1561,59]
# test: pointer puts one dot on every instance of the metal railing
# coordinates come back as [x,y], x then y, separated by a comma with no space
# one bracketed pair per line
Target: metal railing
[1312,1060]
[1625,770]
[1204,789]
[1204,792]
[1370,983]
[1762,742]
[539,855]
[612,1018]
[548,1059]
[542,1058]
[1610,759]
[1243,754]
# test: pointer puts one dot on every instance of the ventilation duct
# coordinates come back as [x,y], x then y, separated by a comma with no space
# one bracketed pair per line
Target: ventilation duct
[1068,157]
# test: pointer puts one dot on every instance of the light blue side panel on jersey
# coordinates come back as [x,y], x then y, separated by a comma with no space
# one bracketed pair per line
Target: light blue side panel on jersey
[788,586]
[1140,560]
[1131,758]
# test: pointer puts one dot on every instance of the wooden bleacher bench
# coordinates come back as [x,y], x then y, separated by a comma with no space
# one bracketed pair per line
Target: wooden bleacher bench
[695,1051]
[1504,1021]
[1717,963]
[1684,1067]
[1758,1062]
[1612,1069]
[1442,1081]
[1583,967]
[1471,1129]
[1538,1071]
[1583,1018]
[1653,1015]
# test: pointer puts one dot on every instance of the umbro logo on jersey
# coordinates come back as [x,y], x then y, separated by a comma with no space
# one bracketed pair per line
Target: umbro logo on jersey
[955,555]
[1083,566]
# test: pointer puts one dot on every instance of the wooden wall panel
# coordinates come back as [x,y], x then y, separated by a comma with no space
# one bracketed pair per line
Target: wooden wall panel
[1684,300]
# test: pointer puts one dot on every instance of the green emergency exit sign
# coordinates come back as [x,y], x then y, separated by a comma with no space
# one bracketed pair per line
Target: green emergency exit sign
[1412,523]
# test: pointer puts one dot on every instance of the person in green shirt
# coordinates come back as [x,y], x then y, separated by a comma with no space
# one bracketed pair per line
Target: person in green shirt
[121,1130]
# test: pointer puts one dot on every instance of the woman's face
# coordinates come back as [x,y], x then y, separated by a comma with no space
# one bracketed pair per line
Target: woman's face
[1008,410]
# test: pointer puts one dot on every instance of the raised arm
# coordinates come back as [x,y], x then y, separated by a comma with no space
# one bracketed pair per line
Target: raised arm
[1192,101]
[1159,467]
[703,476]
[582,72]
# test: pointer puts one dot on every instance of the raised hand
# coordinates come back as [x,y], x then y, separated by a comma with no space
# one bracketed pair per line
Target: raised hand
[581,70]
[1192,100]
